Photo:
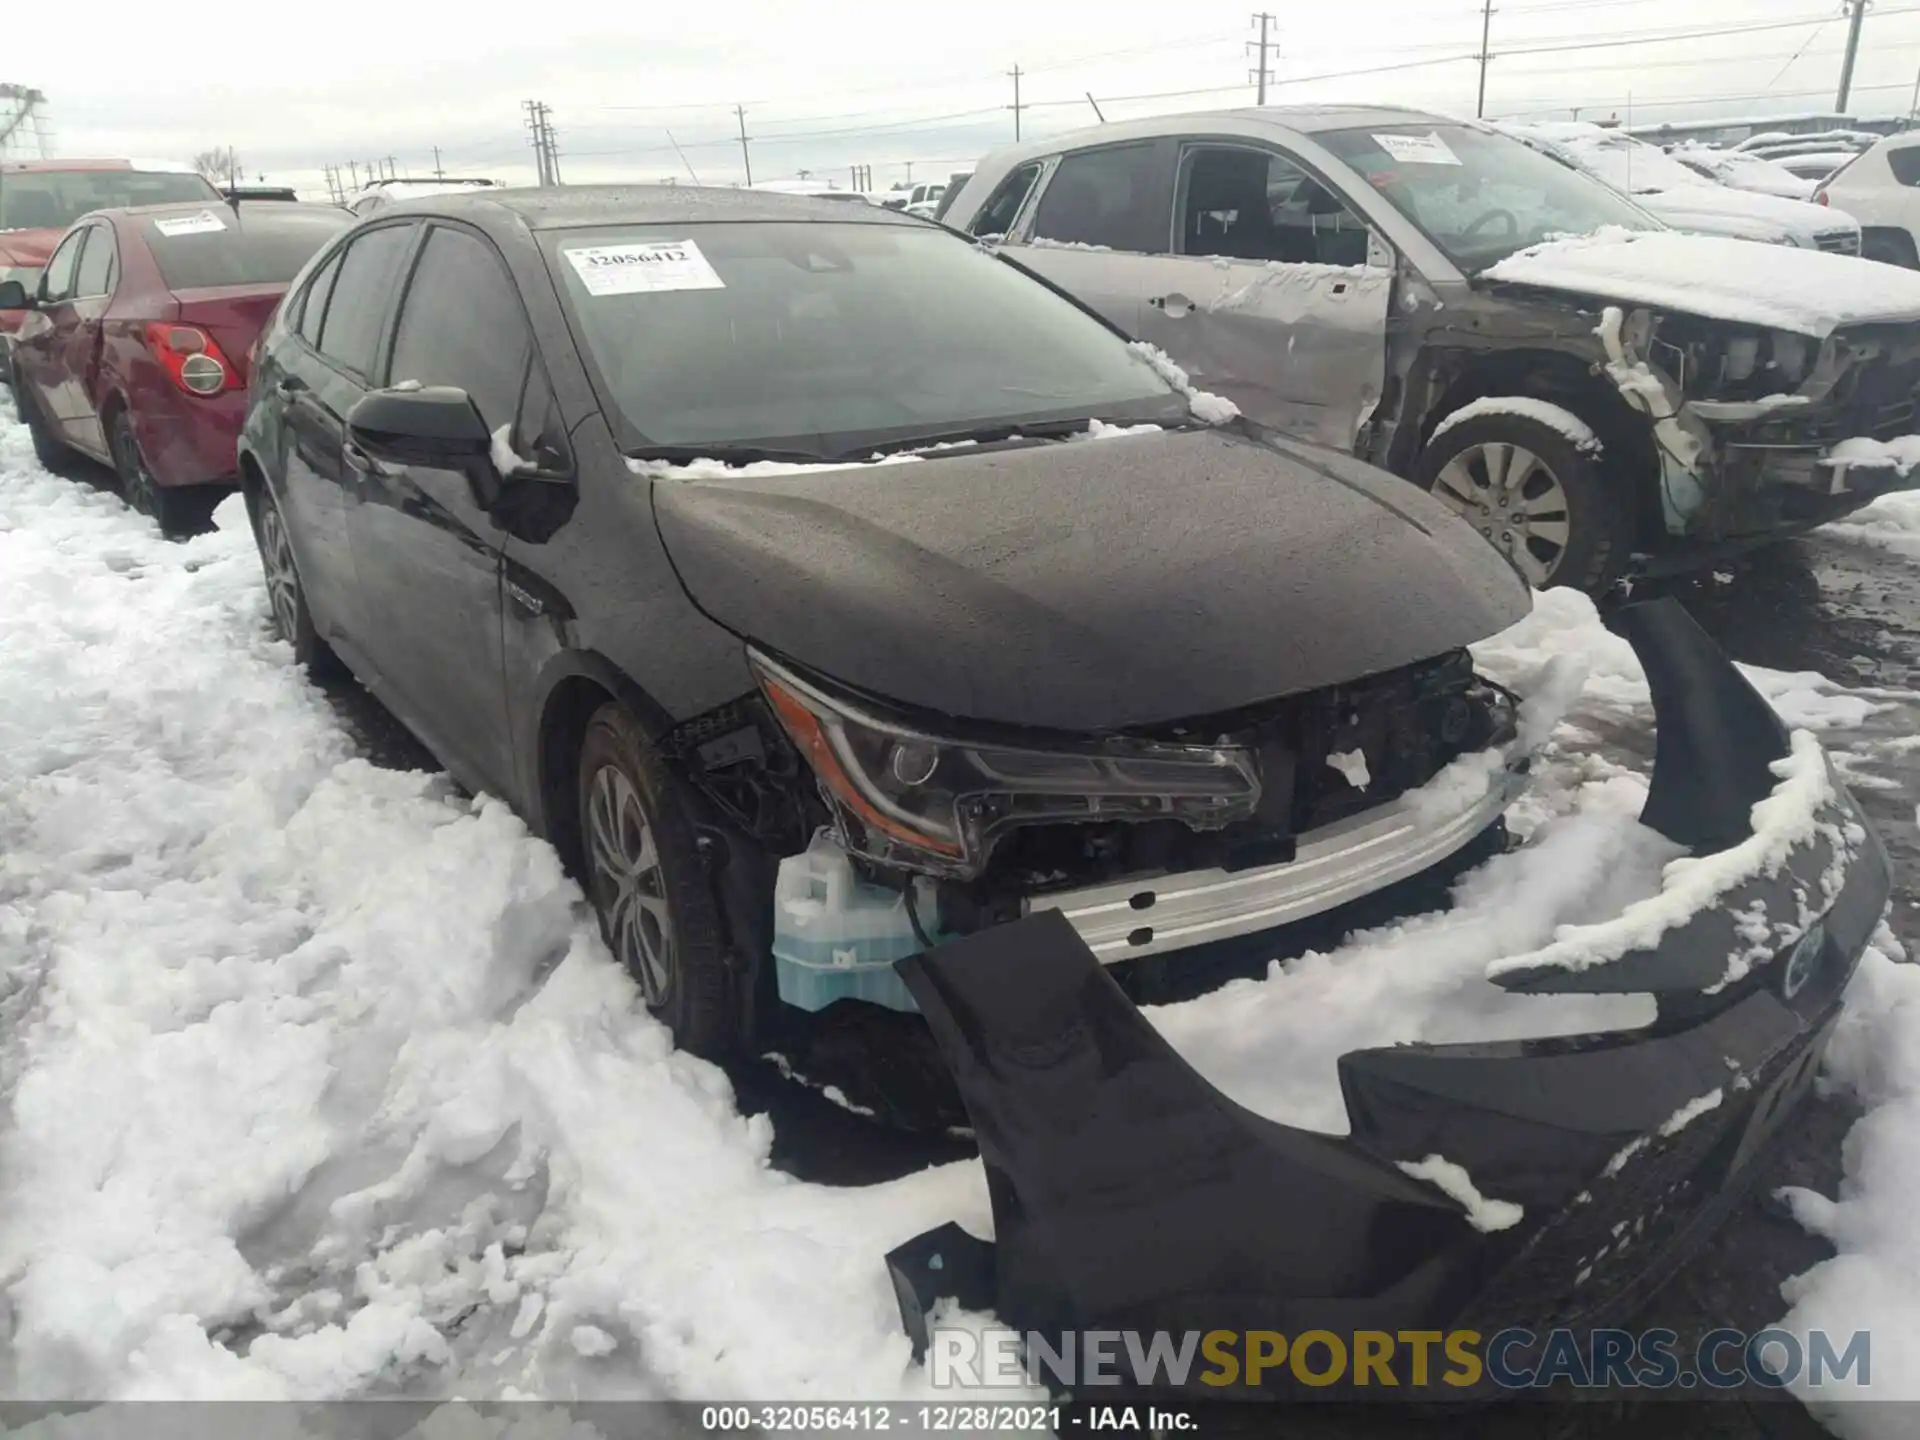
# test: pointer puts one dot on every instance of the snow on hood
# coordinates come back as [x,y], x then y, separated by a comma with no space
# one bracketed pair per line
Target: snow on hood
[1764,212]
[1780,287]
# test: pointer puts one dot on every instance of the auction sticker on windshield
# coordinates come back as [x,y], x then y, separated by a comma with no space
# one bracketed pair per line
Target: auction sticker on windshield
[205,223]
[1417,149]
[640,268]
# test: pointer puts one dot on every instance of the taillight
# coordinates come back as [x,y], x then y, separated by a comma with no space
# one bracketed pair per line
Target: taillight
[192,358]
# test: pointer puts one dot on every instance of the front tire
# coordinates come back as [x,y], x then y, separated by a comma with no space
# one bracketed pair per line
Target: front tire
[1536,496]
[649,885]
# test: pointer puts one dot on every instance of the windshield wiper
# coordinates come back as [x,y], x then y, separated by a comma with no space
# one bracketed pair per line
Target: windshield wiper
[725,453]
[993,434]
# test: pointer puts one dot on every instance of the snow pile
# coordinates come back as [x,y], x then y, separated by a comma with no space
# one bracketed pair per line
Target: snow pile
[321,1080]
[1554,417]
[1483,1214]
[1212,409]
[1890,523]
[1871,1283]
[1780,287]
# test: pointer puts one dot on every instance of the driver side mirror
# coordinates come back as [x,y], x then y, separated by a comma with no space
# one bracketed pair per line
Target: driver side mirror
[432,425]
[1379,253]
[439,427]
[14,296]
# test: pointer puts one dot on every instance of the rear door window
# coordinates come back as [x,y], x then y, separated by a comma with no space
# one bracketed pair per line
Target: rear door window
[1119,197]
[362,296]
[1904,161]
[1245,204]
[462,324]
[95,276]
[1002,210]
[240,246]
[313,301]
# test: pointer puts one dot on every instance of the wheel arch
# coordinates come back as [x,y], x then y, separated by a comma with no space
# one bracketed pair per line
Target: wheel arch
[572,686]
[1628,453]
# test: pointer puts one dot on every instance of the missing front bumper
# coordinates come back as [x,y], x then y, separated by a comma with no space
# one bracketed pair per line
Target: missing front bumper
[1128,1194]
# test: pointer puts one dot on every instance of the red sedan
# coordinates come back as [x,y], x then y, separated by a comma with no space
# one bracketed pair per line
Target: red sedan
[136,343]
[39,199]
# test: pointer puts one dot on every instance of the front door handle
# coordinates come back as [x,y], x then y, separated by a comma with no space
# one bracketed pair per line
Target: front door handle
[356,458]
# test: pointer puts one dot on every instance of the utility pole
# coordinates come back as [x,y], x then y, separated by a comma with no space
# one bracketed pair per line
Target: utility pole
[532,107]
[1486,29]
[553,148]
[354,171]
[391,167]
[1015,72]
[746,160]
[438,173]
[1856,12]
[1263,20]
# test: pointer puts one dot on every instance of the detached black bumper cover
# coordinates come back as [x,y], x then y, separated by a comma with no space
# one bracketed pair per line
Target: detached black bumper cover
[1129,1194]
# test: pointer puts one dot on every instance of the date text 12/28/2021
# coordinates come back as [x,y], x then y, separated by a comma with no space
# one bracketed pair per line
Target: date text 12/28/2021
[945,1419]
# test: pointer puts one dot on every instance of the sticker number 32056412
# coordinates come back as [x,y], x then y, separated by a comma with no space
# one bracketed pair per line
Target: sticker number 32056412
[643,267]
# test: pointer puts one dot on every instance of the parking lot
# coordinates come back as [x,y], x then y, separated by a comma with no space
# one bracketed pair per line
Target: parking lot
[1298,716]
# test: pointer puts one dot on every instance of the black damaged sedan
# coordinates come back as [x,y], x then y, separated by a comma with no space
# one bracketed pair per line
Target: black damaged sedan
[871,628]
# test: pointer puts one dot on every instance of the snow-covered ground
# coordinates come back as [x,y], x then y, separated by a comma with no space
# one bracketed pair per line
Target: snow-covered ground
[320,1083]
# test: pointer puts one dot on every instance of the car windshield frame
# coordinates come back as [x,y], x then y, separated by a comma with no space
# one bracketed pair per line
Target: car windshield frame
[1593,203]
[97,188]
[846,424]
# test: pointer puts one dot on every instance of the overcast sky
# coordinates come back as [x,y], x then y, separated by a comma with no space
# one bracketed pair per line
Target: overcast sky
[840,82]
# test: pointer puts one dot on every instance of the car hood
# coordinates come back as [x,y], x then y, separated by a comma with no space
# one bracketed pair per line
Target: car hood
[27,248]
[1775,286]
[1719,210]
[1091,584]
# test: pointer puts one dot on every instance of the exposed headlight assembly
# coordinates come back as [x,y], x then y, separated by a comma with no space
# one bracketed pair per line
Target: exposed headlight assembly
[937,803]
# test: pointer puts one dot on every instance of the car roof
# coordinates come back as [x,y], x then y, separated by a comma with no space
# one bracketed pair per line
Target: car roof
[571,206]
[1281,119]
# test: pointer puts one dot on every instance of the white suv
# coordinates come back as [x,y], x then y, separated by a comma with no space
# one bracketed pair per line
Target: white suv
[1881,189]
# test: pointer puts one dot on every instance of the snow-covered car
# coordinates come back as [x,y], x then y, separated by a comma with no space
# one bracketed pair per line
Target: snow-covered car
[1679,196]
[1742,171]
[869,626]
[1399,286]
[376,195]
[1882,188]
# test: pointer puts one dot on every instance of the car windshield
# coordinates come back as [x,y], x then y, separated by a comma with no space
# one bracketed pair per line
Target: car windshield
[830,339]
[54,199]
[1480,195]
[239,245]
